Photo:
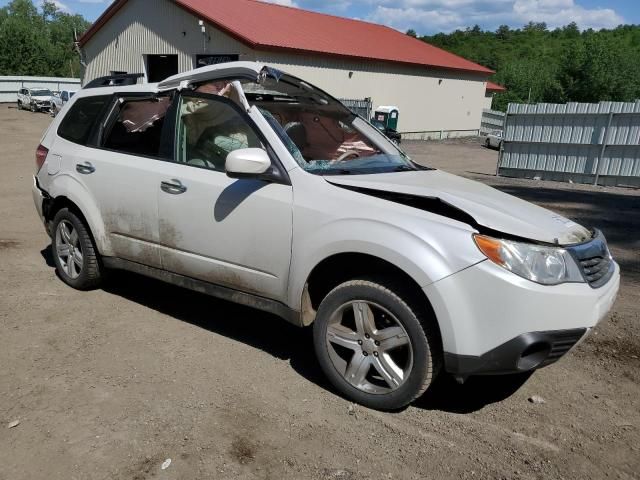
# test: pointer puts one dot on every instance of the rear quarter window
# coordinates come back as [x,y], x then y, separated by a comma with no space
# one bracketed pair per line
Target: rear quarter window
[78,123]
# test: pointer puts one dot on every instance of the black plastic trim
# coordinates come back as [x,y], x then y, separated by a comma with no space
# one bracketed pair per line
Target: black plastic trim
[523,353]
[218,291]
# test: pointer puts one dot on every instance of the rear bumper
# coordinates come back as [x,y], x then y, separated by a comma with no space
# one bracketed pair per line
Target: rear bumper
[41,201]
[521,354]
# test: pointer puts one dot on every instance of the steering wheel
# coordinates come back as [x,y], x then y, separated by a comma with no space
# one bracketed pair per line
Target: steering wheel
[345,155]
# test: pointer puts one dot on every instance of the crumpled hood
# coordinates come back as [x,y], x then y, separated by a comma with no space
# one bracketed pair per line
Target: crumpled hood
[489,207]
[42,98]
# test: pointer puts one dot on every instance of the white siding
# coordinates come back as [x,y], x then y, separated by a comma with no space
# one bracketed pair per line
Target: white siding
[429,99]
[488,101]
[144,27]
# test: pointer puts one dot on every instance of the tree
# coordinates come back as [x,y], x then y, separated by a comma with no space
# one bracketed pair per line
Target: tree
[563,65]
[412,33]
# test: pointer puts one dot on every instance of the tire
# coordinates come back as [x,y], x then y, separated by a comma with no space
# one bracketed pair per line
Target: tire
[487,143]
[34,109]
[83,271]
[399,340]
[19,105]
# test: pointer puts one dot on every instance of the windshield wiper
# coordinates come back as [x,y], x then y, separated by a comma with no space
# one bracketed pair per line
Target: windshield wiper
[404,168]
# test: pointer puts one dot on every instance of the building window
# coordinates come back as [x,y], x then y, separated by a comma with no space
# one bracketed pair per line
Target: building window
[205,60]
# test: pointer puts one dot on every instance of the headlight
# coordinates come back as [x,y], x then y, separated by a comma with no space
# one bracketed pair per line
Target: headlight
[540,264]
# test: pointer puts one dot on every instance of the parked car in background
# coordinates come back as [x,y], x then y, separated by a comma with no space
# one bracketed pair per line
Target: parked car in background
[494,140]
[246,183]
[391,134]
[59,100]
[35,99]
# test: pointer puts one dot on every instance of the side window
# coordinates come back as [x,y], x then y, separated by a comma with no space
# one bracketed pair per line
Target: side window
[77,124]
[138,126]
[208,129]
[64,96]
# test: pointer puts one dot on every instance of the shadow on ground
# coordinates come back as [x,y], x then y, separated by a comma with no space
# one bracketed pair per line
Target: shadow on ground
[276,337]
[477,392]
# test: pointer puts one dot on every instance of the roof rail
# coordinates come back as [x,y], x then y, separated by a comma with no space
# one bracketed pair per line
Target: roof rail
[119,80]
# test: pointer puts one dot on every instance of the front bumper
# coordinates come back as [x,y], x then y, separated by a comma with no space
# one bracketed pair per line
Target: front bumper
[492,321]
[520,354]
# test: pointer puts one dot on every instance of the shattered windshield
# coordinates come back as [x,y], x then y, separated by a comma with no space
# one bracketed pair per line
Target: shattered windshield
[322,135]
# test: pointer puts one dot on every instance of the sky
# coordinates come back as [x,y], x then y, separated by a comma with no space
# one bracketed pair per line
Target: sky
[433,16]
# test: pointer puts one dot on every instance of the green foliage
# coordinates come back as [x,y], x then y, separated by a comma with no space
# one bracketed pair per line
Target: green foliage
[38,42]
[556,66]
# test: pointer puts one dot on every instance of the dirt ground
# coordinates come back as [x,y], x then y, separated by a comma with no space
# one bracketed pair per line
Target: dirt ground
[111,383]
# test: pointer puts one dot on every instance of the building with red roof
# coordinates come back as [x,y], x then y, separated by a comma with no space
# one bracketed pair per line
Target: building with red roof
[434,90]
[492,89]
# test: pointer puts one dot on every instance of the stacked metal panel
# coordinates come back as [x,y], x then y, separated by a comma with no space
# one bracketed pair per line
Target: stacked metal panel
[579,142]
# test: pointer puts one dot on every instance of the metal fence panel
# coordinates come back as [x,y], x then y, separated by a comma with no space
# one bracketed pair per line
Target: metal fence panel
[492,121]
[362,107]
[580,142]
[9,85]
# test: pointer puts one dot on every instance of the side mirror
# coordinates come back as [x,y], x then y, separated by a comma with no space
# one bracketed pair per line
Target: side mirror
[247,163]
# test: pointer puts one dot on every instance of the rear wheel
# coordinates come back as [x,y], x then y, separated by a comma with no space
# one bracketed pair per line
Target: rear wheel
[374,344]
[74,252]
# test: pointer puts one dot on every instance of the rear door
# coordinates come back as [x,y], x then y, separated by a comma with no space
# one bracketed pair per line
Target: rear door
[121,167]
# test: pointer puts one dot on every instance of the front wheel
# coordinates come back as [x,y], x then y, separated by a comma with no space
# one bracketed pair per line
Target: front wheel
[34,108]
[74,253]
[374,344]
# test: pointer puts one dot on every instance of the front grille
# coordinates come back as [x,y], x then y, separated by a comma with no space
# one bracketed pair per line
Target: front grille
[562,342]
[596,269]
[594,260]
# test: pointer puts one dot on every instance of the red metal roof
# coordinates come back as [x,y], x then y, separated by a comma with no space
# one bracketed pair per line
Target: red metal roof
[494,87]
[267,26]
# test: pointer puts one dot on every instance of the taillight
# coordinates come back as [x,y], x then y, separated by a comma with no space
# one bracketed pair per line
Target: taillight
[41,156]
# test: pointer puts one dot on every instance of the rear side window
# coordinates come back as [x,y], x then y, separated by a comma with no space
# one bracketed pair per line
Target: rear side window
[77,124]
[138,126]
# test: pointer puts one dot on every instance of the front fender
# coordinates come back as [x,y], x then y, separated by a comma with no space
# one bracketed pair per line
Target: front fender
[424,262]
[67,186]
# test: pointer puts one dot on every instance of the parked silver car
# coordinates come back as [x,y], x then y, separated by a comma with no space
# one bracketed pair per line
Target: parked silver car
[249,184]
[494,140]
[60,100]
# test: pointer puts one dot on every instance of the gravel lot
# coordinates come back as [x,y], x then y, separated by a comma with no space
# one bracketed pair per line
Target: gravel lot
[111,383]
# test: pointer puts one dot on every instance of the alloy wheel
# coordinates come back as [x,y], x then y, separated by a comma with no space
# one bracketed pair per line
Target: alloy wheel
[369,347]
[68,249]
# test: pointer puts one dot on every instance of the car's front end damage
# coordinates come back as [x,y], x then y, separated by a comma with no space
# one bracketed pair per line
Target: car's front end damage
[543,282]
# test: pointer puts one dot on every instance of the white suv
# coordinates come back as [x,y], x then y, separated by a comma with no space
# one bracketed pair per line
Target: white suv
[34,99]
[248,184]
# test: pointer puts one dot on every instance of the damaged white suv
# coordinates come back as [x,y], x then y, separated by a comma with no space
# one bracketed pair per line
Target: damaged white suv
[248,184]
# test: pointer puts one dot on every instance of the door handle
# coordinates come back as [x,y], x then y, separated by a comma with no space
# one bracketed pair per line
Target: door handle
[85,168]
[173,186]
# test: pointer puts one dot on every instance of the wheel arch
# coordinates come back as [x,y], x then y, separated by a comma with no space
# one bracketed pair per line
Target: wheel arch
[66,192]
[341,267]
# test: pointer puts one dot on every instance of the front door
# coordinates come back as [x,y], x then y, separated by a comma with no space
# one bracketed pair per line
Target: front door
[231,232]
